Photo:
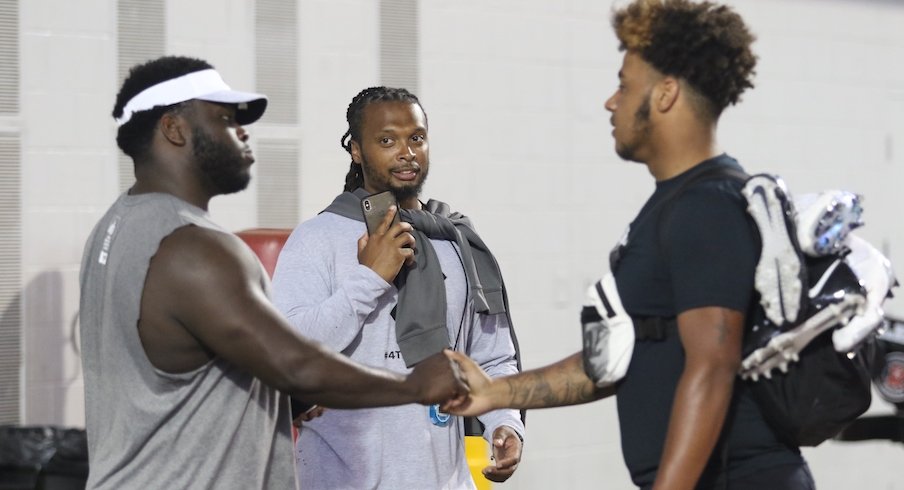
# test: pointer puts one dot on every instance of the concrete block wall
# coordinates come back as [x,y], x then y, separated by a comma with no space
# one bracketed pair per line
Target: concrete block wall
[68,177]
[520,141]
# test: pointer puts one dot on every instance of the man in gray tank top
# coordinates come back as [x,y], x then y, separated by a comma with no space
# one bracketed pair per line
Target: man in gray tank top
[187,365]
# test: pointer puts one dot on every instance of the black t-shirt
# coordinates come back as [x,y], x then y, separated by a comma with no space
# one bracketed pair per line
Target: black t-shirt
[706,256]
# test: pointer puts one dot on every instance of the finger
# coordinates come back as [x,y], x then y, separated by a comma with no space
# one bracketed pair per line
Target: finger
[362,242]
[448,406]
[405,238]
[456,356]
[401,228]
[408,254]
[496,474]
[387,220]
[453,404]
[459,406]
[462,387]
[312,414]
[458,372]
[506,463]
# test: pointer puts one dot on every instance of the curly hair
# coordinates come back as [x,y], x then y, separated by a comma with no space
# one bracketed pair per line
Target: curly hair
[134,137]
[705,44]
[355,117]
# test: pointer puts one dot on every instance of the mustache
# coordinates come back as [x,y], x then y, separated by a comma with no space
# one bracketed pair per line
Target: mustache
[409,166]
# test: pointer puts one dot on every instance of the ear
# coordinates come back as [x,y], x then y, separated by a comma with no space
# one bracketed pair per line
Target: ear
[356,152]
[665,94]
[173,128]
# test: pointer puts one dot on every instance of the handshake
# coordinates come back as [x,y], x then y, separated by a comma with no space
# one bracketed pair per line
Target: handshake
[454,381]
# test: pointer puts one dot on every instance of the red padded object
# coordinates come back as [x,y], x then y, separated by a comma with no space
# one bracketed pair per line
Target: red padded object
[266,243]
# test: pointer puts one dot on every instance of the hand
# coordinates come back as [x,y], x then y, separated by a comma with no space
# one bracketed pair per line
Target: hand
[479,401]
[506,453]
[437,379]
[388,248]
[310,414]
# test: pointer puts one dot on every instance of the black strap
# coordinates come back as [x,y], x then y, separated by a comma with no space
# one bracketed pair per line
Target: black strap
[655,328]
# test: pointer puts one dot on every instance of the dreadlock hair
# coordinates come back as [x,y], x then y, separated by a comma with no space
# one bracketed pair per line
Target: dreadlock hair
[705,44]
[355,117]
[134,137]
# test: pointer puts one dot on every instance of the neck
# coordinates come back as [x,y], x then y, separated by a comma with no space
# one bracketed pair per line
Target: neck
[682,148]
[155,177]
[410,203]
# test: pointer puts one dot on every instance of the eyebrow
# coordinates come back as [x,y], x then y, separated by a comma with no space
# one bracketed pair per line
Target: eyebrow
[396,129]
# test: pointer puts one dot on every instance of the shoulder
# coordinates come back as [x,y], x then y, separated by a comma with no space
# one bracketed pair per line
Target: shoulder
[712,211]
[326,226]
[715,190]
[193,254]
[717,199]
[323,233]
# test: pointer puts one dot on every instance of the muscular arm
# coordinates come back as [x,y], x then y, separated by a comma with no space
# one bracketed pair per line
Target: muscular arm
[560,384]
[711,338]
[210,284]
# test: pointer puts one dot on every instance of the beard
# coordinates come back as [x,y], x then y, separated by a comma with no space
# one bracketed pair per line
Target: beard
[222,167]
[641,130]
[384,182]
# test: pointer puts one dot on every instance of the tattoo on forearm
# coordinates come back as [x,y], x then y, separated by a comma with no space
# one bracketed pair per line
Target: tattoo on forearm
[550,387]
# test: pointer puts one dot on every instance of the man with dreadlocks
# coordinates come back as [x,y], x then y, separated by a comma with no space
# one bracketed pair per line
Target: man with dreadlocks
[682,277]
[363,300]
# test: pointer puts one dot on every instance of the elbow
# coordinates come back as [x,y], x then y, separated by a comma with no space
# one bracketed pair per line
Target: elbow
[718,371]
[301,376]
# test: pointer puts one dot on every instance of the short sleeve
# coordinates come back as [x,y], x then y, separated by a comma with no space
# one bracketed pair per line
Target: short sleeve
[711,248]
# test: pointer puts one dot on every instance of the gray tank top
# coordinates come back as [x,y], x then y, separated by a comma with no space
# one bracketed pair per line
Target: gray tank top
[214,427]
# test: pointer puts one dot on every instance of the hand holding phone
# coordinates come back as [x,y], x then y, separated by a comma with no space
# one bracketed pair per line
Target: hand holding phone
[375,208]
[384,251]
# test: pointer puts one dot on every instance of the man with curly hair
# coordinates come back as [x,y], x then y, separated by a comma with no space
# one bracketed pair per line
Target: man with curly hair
[684,270]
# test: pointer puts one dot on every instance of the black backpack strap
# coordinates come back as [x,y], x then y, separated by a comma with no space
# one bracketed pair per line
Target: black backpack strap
[653,328]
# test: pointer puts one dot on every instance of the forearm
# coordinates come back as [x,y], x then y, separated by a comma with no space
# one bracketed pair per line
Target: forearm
[560,384]
[303,368]
[698,414]
[334,381]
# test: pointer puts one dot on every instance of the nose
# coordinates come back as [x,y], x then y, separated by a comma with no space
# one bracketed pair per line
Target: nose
[407,153]
[242,134]
[610,103]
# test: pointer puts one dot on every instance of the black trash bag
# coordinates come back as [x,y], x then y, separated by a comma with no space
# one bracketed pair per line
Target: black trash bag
[46,458]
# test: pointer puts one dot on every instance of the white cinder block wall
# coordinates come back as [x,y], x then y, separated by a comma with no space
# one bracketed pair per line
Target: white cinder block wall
[514,90]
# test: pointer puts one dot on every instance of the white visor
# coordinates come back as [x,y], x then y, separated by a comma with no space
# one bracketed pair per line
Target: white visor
[202,85]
